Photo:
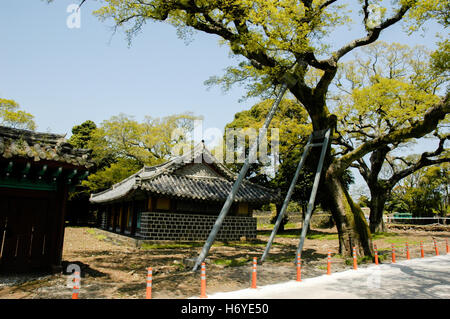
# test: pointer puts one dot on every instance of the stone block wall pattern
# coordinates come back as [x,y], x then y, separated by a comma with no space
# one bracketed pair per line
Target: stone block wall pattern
[189,227]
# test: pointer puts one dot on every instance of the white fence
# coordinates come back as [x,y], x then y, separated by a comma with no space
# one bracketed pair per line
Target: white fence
[417,220]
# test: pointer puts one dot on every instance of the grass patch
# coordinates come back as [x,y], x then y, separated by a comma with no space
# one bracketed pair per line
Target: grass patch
[180,266]
[90,231]
[101,237]
[249,244]
[323,236]
[231,262]
[401,241]
[280,259]
[264,226]
[359,260]
[288,235]
[147,246]
[383,235]
[292,226]
[393,238]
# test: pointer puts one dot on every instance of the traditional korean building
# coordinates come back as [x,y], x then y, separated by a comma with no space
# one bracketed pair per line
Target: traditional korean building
[36,172]
[180,200]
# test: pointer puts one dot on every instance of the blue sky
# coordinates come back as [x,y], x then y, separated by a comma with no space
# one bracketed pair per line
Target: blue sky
[65,76]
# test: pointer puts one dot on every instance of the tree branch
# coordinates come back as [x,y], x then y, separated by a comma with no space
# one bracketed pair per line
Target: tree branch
[424,161]
[417,129]
[372,35]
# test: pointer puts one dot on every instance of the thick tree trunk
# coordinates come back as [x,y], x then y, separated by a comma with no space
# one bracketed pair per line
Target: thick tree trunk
[352,227]
[353,230]
[278,208]
[377,202]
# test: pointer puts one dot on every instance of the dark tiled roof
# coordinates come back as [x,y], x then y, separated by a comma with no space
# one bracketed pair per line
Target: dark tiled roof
[196,175]
[206,188]
[40,146]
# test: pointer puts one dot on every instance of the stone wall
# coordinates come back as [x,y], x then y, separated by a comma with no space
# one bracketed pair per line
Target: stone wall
[318,219]
[190,227]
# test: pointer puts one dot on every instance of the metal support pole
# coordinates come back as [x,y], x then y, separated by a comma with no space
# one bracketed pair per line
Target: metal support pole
[237,183]
[287,198]
[313,193]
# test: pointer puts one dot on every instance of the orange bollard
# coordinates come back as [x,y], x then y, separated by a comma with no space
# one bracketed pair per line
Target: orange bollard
[76,285]
[376,254]
[393,254]
[254,273]
[329,263]
[299,268]
[355,261]
[446,245]
[149,283]
[408,256]
[436,247]
[421,250]
[203,282]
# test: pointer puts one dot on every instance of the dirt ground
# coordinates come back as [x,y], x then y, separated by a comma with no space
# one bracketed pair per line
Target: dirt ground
[117,269]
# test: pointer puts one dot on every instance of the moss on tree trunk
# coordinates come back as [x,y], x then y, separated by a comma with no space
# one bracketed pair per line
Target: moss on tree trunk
[353,229]
[377,202]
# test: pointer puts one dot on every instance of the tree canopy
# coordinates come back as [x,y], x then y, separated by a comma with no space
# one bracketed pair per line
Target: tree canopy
[82,134]
[122,145]
[12,116]
[387,89]
[424,193]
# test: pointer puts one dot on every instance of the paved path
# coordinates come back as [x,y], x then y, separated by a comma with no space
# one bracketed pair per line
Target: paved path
[424,278]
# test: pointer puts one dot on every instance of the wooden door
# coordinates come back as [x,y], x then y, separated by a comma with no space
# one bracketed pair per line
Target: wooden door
[25,227]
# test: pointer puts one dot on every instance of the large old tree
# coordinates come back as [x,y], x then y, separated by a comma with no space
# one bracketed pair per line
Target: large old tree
[383,91]
[271,36]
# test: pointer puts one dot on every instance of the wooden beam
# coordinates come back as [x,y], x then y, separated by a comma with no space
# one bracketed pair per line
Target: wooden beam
[26,170]
[71,175]
[57,173]
[42,172]
[86,174]
[9,168]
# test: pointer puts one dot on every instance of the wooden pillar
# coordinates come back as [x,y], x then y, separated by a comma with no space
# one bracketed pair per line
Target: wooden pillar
[114,214]
[62,192]
[134,213]
[123,221]
[111,214]
[150,204]
[118,217]
[108,216]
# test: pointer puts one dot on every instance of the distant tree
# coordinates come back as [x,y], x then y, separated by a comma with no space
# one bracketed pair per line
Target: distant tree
[424,193]
[440,59]
[385,91]
[82,134]
[122,145]
[293,131]
[363,201]
[12,116]
[294,128]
